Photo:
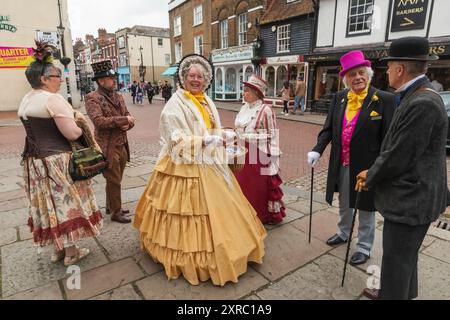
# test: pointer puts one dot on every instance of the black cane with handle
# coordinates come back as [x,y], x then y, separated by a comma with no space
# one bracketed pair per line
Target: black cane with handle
[311,204]
[355,211]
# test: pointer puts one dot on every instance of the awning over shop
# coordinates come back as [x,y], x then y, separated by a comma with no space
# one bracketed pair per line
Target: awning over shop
[170,72]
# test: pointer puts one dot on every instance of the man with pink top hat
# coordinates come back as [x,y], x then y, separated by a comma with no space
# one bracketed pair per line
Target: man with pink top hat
[357,122]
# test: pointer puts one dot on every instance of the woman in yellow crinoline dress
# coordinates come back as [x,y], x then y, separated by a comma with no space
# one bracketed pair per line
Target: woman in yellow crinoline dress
[193,217]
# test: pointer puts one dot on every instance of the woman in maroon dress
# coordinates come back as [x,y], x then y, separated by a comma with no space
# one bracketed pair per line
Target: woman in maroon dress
[259,179]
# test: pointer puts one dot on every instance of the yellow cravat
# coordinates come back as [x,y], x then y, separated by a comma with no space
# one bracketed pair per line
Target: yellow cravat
[198,99]
[355,102]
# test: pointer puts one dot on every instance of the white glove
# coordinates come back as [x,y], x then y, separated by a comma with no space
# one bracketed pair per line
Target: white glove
[313,158]
[213,140]
[229,135]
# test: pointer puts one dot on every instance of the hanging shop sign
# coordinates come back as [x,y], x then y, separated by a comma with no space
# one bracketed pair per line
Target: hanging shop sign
[409,15]
[15,57]
[50,37]
[4,25]
[285,60]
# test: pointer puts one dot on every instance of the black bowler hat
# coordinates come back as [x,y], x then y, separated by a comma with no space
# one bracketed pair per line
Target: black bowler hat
[103,69]
[410,48]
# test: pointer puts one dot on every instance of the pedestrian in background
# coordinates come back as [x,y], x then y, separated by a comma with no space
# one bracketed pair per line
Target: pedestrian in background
[286,97]
[150,92]
[166,91]
[140,94]
[358,120]
[134,91]
[300,91]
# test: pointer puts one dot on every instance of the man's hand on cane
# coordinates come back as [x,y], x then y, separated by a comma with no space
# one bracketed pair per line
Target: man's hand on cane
[361,182]
[313,158]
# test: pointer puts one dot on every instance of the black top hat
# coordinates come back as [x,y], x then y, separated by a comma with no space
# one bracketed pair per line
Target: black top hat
[410,48]
[103,69]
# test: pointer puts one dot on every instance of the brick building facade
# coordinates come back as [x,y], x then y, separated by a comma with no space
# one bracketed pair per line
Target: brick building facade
[190,28]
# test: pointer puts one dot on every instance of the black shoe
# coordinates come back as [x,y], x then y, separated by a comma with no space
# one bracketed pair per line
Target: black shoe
[372,294]
[335,240]
[359,258]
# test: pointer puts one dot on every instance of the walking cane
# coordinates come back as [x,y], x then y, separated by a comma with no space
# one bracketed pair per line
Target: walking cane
[351,235]
[311,204]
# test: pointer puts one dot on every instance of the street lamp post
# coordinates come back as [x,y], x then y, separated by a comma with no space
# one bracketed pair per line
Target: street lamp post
[64,59]
[141,67]
[257,46]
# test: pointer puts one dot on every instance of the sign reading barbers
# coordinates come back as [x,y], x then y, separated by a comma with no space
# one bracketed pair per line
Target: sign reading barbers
[409,15]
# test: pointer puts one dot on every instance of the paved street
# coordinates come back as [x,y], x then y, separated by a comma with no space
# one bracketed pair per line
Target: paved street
[118,269]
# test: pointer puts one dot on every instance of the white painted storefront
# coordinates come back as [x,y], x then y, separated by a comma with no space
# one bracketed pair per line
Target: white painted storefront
[232,67]
[27,20]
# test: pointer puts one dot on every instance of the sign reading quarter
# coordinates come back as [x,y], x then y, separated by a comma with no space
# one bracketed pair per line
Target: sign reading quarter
[409,15]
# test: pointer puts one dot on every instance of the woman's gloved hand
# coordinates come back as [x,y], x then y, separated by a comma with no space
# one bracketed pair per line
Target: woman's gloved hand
[213,140]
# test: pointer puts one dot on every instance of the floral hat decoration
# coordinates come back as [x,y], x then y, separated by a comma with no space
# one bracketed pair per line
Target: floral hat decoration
[43,52]
[188,61]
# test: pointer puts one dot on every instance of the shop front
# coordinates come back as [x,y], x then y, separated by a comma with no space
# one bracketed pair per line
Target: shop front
[232,67]
[325,67]
[277,70]
[124,77]
[440,70]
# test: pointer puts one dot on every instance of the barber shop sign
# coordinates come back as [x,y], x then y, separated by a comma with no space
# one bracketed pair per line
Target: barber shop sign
[4,25]
[409,15]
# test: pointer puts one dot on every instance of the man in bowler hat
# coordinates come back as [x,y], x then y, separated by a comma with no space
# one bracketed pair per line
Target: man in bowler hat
[107,110]
[409,178]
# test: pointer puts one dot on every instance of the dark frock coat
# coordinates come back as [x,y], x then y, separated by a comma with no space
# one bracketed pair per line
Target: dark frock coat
[366,142]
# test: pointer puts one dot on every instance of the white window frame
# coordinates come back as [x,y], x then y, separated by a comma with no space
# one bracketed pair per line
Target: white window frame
[122,42]
[242,29]
[167,59]
[198,45]
[178,51]
[224,34]
[123,60]
[361,19]
[177,26]
[198,15]
[162,42]
[284,38]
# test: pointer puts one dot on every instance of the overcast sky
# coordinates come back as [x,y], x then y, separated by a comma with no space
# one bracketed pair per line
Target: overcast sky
[87,16]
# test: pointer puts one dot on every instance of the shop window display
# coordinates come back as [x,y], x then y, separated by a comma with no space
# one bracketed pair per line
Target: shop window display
[230,80]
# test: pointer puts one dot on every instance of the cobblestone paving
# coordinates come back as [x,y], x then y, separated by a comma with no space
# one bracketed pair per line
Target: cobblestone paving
[304,183]
[118,269]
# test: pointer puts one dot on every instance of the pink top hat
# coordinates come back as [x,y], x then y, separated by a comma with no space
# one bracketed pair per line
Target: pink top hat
[352,60]
[258,84]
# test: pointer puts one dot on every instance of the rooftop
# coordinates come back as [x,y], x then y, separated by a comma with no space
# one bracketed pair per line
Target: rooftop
[282,10]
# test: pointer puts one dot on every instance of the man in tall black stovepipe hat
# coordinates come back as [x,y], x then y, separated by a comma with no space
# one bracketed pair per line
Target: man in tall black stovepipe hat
[409,178]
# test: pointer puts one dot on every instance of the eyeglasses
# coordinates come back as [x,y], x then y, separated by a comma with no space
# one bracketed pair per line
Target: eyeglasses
[55,76]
